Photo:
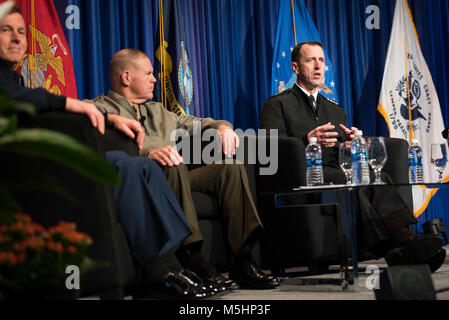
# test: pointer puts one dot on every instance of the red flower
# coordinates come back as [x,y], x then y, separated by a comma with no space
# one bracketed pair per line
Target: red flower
[71,249]
[29,251]
[23,217]
[18,226]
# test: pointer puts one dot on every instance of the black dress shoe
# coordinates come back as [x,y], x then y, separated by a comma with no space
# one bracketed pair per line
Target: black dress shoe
[422,249]
[436,261]
[210,288]
[249,276]
[173,286]
[209,273]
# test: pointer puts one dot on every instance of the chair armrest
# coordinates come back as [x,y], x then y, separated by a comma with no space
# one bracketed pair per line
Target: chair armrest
[291,168]
[116,140]
[78,126]
[94,209]
[397,163]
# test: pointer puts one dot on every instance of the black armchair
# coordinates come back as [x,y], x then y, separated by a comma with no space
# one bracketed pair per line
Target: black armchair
[309,238]
[95,210]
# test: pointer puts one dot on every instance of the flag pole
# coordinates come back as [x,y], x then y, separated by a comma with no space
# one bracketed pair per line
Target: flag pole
[410,120]
[33,66]
[294,25]
[161,46]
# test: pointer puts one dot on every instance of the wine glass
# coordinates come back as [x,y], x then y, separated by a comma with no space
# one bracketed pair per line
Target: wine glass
[377,156]
[345,160]
[439,158]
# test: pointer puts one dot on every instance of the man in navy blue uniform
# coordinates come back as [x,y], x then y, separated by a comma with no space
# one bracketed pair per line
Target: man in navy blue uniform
[302,112]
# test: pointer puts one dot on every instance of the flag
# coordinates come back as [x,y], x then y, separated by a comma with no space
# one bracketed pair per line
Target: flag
[295,26]
[48,61]
[408,100]
[174,88]
[5,8]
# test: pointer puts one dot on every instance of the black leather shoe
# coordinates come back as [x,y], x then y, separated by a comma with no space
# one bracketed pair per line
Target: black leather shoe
[436,261]
[249,276]
[422,249]
[173,286]
[210,288]
[210,274]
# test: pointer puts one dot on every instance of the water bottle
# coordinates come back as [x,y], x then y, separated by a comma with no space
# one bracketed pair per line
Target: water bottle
[415,171]
[360,166]
[314,163]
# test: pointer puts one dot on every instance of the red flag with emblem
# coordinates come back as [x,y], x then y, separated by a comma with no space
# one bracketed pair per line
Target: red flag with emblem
[48,62]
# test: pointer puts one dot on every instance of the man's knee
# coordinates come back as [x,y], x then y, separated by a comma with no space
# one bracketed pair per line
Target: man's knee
[180,170]
[233,170]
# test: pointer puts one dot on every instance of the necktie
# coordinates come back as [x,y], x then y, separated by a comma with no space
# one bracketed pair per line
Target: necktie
[312,101]
[136,108]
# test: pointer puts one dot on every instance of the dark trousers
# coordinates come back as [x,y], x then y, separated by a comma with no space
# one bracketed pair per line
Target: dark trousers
[147,209]
[229,183]
[382,212]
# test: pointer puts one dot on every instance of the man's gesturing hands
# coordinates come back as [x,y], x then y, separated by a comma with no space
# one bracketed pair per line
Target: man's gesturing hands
[326,137]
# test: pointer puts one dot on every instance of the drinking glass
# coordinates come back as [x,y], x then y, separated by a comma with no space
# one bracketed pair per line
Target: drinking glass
[345,160]
[439,158]
[377,156]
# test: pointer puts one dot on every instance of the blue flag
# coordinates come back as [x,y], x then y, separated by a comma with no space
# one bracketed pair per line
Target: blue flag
[303,28]
[174,87]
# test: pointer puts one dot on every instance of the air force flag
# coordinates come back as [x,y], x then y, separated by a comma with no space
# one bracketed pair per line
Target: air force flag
[408,99]
[295,26]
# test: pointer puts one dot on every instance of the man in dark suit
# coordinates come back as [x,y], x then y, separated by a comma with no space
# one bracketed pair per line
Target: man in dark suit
[302,112]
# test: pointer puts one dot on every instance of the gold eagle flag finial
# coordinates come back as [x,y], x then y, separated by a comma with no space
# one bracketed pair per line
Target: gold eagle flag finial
[47,56]
[43,59]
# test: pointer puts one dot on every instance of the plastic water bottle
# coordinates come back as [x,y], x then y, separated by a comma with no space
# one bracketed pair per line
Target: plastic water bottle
[415,171]
[360,166]
[314,163]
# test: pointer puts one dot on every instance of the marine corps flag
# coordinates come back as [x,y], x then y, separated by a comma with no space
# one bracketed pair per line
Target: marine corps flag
[408,100]
[48,62]
[174,88]
[295,26]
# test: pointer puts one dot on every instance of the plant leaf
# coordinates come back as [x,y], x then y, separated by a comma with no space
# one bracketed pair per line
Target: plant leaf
[61,149]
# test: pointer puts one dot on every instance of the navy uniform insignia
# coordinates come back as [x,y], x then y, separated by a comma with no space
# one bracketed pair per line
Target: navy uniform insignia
[331,100]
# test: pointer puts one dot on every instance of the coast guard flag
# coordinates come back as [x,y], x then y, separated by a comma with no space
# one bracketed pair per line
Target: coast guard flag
[174,86]
[48,61]
[295,26]
[408,99]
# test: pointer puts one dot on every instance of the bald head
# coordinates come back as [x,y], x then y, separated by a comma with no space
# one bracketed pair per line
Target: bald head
[131,75]
[123,60]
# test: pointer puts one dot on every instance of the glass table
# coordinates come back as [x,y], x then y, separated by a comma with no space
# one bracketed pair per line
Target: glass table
[343,199]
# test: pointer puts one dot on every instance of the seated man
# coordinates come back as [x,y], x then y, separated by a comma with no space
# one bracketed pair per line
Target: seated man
[131,75]
[147,209]
[302,112]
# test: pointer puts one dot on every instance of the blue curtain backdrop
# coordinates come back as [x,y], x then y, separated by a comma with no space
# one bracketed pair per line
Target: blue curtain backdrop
[231,44]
